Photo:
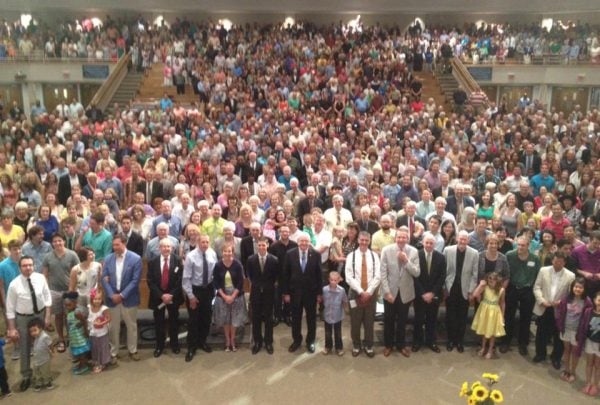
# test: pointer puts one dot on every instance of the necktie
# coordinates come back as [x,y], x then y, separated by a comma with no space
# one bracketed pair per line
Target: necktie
[303,262]
[428,263]
[411,226]
[339,218]
[529,163]
[164,280]
[204,270]
[364,284]
[254,246]
[33,297]
[262,264]
[149,193]
[311,204]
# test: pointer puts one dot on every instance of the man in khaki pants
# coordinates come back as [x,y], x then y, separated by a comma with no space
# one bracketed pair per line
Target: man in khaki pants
[363,277]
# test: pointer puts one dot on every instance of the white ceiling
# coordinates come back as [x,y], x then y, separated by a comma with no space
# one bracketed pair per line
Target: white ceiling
[292,7]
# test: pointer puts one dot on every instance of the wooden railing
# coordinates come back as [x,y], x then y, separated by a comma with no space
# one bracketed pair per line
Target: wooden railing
[106,92]
[463,77]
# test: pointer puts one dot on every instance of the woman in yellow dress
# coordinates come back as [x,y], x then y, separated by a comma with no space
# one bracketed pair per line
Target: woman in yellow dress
[489,319]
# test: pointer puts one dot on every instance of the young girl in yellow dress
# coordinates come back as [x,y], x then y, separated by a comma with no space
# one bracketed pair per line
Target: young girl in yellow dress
[489,319]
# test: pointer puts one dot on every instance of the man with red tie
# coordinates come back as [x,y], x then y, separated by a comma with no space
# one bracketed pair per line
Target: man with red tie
[410,219]
[164,282]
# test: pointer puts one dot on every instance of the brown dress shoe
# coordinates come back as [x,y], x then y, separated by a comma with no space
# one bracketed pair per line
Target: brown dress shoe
[405,352]
[387,351]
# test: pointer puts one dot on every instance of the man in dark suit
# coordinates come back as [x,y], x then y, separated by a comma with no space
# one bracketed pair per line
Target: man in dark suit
[365,223]
[249,244]
[70,155]
[308,203]
[263,272]
[591,206]
[444,190]
[65,182]
[531,160]
[150,188]
[410,219]
[164,282]
[428,289]
[302,288]
[455,204]
[251,167]
[279,250]
[135,242]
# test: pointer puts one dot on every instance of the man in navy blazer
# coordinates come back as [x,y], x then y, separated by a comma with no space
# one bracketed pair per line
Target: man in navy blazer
[166,293]
[302,288]
[121,273]
[263,272]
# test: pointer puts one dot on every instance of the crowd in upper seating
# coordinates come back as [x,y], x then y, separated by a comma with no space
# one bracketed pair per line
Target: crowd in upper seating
[308,134]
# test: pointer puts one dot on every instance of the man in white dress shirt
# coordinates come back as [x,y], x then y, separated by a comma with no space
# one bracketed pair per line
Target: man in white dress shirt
[363,277]
[28,298]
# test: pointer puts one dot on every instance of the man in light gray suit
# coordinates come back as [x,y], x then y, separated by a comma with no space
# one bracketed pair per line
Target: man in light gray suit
[399,268]
[462,263]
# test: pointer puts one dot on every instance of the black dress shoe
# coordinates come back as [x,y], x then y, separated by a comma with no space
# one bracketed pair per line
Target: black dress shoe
[176,350]
[449,346]
[256,348]
[310,347]
[523,350]
[25,383]
[415,348]
[434,348]
[206,348]
[556,364]
[293,347]
[460,348]
[269,348]
[539,358]
[158,352]
[189,356]
[503,349]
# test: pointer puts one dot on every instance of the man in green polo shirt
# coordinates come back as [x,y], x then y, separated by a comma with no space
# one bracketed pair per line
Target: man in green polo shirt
[96,237]
[524,267]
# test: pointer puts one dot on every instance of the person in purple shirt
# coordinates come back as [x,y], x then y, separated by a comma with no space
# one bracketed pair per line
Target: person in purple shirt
[587,263]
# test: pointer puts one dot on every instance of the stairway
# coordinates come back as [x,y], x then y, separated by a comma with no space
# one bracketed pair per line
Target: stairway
[127,89]
[448,86]
[152,88]
[432,89]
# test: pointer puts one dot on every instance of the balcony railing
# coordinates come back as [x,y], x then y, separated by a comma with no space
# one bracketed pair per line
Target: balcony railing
[39,56]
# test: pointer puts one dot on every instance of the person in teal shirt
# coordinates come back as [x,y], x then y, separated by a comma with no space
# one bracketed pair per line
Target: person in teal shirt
[96,237]
[9,267]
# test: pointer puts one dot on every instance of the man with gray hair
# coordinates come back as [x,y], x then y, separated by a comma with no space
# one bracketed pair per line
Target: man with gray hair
[462,264]
[337,215]
[166,217]
[440,210]
[365,223]
[153,248]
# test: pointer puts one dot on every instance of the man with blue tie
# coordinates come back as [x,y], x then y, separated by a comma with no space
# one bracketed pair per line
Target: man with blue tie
[302,288]
[198,288]
[121,275]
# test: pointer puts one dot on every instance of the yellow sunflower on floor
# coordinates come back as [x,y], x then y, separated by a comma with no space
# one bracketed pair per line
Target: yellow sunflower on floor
[491,377]
[464,390]
[480,393]
[475,384]
[496,396]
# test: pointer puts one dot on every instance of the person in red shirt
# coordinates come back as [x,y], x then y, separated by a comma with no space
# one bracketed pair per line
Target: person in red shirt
[556,222]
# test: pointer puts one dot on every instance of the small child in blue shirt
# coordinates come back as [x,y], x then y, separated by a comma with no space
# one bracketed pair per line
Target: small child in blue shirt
[3,376]
[335,301]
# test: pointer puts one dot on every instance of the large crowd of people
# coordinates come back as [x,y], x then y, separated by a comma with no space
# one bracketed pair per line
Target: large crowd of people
[311,175]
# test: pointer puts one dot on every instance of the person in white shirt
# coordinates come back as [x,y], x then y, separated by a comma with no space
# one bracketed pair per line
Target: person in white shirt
[28,297]
[551,286]
[323,240]
[337,215]
[363,277]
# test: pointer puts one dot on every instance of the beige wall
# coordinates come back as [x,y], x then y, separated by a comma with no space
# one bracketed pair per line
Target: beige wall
[54,72]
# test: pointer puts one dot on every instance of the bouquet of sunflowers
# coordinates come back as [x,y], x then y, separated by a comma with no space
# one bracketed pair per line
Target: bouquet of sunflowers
[478,394]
